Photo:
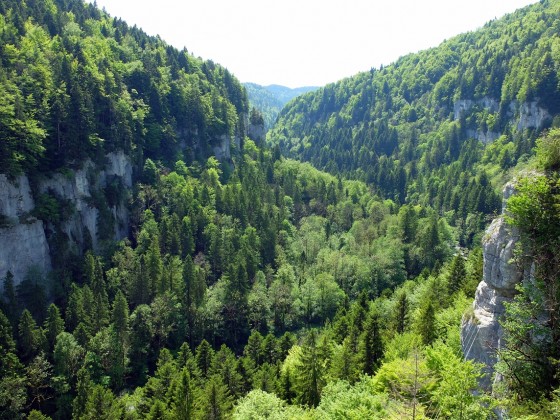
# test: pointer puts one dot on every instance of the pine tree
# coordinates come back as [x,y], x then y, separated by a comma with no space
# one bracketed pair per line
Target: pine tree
[286,385]
[203,357]
[154,268]
[75,308]
[120,338]
[101,404]
[39,373]
[100,303]
[7,343]
[120,315]
[158,410]
[83,389]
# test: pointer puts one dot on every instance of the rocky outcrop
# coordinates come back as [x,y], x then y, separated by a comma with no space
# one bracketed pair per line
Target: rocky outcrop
[222,150]
[24,239]
[23,243]
[257,133]
[481,333]
[483,136]
[532,116]
[527,115]
[462,106]
[78,188]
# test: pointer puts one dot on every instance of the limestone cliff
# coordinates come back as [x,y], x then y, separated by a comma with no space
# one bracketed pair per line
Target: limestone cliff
[481,333]
[23,243]
[522,116]
[24,240]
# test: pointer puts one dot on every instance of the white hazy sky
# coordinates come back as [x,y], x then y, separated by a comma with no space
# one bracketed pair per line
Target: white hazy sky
[306,42]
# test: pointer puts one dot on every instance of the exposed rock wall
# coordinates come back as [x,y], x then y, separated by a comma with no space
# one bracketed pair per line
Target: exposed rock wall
[532,116]
[527,115]
[481,333]
[257,133]
[78,188]
[23,239]
[23,243]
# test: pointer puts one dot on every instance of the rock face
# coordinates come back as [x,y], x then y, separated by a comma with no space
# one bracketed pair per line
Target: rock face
[23,243]
[532,116]
[222,150]
[79,188]
[481,333]
[257,133]
[24,239]
[522,116]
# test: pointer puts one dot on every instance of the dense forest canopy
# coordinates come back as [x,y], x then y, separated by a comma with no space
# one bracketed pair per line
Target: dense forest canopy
[412,128]
[269,100]
[259,286]
[77,83]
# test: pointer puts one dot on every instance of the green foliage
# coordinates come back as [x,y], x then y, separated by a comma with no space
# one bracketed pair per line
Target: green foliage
[530,362]
[548,150]
[76,83]
[269,100]
[233,259]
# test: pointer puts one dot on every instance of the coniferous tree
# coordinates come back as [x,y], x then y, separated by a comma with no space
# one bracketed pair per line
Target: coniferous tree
[154,268]
[54,325]
[203,357]
[39,377]
[371,345]
[100,300]
[120,339]
[83,390]
[215,402]
[10,303]
[427,323]
[457,274]
[310,374]
[101,404]
[183,398]
[28,340]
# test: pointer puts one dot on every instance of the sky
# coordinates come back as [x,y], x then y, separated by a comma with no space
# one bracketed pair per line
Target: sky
[306,42]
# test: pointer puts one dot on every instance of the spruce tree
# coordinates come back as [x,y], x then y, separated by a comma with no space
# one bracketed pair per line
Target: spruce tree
[371,345]
[203,357]
[10,304]
[457,274]
[54,325]
[401,312]
[427,324]
[183,397]
[27,335]
[100,303]
[310,374]
[215,402]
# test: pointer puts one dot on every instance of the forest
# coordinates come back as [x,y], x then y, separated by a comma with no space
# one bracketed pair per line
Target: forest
[322,274]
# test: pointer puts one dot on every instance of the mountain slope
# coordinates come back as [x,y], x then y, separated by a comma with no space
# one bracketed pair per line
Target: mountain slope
[77,83]
[429,115]
[270,100]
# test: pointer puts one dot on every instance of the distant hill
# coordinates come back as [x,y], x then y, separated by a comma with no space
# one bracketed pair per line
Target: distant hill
[270,100]
[427,127]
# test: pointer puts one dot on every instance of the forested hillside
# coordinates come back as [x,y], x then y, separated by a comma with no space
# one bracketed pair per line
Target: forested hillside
[437,126]
[76,83]
[249,284]
[269,100]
